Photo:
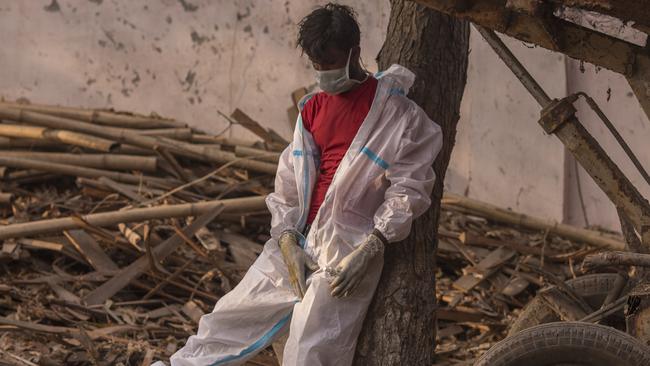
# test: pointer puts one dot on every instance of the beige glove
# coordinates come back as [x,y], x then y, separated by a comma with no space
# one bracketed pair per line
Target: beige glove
[296,260]
[350,272]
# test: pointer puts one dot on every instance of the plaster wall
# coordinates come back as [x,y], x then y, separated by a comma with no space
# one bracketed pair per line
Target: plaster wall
[191,59]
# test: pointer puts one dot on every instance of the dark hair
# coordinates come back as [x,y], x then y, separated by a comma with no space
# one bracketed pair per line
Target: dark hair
[331,25]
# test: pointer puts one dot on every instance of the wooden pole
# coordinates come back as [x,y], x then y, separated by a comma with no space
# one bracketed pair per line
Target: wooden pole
[6,198]
[100,161]
[59,136]
[232,205]
[615,259]
[78,171]
[12,143]
[263,155]
[99,116]
[491,212]
[174,133]
[127,136]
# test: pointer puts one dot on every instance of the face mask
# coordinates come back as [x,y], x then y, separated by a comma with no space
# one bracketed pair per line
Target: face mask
[336,81]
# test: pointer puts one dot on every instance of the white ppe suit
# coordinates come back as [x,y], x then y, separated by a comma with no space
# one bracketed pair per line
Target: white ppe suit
[384,181]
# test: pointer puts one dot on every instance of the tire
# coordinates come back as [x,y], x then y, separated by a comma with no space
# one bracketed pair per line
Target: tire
[568,344]
[593,288]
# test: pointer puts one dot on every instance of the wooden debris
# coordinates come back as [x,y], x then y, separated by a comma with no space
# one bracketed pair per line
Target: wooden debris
[97,268]
[492,212]
[89,248]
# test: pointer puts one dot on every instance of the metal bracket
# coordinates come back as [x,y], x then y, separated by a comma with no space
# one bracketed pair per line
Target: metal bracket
[557,113]
[637,313]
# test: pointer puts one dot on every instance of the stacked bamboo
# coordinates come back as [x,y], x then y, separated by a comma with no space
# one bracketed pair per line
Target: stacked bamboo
[122,225]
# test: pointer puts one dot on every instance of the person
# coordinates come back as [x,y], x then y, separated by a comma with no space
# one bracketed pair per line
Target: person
[355,176]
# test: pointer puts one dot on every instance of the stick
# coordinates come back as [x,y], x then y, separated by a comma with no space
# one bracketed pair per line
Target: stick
[99,161]
[58,136]
[174,133]
[122,135]
[595,238]
[77,171]
[250,124]
[232,205]
[131,272]
[264,155]
[615,259]
[6,198]
[90,249]
[99,116]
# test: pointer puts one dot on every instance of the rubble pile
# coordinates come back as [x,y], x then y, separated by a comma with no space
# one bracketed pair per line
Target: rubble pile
[120,231]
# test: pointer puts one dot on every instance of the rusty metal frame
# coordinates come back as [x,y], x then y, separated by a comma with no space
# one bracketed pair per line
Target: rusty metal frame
[532,21]
[558,118]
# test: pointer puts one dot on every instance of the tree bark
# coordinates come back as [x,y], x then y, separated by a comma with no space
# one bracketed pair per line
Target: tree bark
[400,328]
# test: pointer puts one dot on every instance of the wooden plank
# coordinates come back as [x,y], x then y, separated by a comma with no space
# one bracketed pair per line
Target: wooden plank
[472,239]
[573,40]
[132,271]
[244,250]
[250,124]
[122,189]
[89,248]
[485,268]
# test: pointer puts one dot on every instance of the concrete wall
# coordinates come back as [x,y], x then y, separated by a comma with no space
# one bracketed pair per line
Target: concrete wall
[186,59]
[502,155]
[190,59]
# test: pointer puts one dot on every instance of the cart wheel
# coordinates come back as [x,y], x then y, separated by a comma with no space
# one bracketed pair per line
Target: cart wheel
[568,344]
[593,288]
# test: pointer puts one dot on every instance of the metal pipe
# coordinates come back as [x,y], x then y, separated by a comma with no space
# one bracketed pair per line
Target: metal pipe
[515,66]
[587,151]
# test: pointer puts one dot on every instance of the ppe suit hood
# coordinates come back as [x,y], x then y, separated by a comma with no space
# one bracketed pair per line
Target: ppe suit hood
[401,77]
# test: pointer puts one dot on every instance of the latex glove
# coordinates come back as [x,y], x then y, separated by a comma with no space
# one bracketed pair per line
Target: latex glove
[351,270]
[296,260]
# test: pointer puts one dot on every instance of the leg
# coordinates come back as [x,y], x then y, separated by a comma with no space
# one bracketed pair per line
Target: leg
[247,319]
[324,329]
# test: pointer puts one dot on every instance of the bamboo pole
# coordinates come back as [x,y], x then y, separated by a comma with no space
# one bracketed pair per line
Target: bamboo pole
[615,259]
[228,141]
[126,136]
[78,171]
[126,149]
[264,155]
[98,116]
[232,205]
[12,143]
[595,238]
[174,133]
[147,164]
[6,198]
[60,136]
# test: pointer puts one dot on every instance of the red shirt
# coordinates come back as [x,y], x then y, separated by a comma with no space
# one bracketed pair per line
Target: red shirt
[333,121]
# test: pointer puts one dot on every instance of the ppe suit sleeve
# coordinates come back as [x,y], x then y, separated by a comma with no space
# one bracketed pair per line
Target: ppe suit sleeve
[283,202]
[411,177]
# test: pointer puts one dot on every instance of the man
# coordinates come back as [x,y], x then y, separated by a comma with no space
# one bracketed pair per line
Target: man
[355,176]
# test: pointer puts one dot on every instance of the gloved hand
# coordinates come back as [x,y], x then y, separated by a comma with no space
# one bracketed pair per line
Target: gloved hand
[351,270]
[296,260]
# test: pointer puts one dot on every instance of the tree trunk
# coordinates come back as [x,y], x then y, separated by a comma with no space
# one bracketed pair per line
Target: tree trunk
[400,328]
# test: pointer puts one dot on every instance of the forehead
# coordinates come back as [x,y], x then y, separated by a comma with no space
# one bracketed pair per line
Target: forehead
[331,56]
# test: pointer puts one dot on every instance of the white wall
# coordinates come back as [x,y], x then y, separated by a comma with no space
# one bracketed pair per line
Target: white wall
[182,61]
[189,59]
[614,96]
[502,155]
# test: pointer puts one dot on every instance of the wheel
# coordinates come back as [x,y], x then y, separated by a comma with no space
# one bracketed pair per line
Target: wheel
[568,344]
[593,288]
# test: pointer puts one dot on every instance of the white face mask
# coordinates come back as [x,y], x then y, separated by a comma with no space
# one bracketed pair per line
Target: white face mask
[336,81]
